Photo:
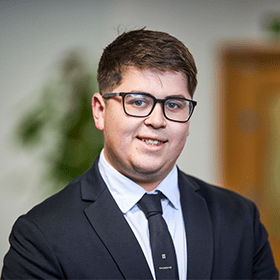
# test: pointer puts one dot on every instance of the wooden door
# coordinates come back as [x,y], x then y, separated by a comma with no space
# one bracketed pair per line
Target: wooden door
[249,129]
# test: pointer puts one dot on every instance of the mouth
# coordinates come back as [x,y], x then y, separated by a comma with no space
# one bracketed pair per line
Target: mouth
[153,142]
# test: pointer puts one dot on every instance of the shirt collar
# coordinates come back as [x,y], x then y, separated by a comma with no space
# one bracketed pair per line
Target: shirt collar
[169,187]
[127,193]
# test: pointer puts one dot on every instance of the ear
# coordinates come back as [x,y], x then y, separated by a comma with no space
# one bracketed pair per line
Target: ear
[98,110]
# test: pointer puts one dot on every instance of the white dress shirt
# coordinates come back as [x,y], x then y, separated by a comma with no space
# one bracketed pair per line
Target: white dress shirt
[127,193]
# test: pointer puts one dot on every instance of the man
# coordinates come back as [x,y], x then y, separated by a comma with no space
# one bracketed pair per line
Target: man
[98,226]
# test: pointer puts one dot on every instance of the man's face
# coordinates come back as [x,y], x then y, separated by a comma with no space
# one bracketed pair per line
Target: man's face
[143,149]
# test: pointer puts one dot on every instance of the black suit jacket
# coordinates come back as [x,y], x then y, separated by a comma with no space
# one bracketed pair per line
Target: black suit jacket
[80,233]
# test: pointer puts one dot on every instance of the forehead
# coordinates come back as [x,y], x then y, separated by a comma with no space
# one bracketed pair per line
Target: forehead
[153,81]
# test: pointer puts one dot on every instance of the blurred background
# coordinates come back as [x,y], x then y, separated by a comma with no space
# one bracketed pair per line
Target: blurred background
[49,51]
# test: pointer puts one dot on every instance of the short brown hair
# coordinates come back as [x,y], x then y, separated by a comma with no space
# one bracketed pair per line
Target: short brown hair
[144,49]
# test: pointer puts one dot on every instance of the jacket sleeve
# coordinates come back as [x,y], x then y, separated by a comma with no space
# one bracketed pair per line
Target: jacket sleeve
[29,256]
[264,266]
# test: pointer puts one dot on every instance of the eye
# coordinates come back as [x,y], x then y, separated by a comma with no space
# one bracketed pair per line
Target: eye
[175,104]
[138,103]
[137,100]
[172,105]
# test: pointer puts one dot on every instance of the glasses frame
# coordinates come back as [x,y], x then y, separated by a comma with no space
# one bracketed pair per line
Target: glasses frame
[162,101]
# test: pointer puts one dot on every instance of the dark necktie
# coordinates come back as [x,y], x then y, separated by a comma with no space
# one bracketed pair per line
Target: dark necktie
[164,256]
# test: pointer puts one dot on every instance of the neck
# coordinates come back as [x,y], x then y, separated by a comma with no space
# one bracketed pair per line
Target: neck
[148,182]
[148,186]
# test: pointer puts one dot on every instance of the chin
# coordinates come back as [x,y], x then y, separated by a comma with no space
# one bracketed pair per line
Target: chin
[149,168]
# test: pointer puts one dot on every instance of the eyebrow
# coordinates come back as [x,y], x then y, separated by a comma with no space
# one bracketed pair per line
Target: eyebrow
[169,96]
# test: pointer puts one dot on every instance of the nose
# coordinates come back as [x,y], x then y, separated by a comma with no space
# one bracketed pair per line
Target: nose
[156,119]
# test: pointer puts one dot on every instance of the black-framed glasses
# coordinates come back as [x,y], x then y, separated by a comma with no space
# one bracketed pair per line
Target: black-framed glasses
[138,104]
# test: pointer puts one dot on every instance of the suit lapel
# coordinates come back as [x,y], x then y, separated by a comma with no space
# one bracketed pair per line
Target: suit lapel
[110,225]
[198,229]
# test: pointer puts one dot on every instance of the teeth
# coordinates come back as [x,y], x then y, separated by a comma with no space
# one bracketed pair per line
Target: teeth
[152,142]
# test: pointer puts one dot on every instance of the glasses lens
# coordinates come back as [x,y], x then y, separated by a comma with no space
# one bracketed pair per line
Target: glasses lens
[178,109]
[139,105]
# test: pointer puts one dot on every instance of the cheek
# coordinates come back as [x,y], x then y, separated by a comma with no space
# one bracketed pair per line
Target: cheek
[187,131]
[112,136]
[116,133]
[182,133]
[180,137]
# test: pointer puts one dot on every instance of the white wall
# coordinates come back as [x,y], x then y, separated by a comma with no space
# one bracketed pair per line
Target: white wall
[35,34]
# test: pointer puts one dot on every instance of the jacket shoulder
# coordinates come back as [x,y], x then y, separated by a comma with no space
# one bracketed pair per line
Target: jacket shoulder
[218,198]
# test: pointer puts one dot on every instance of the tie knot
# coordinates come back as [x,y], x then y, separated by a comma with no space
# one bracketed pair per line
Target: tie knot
[150,204]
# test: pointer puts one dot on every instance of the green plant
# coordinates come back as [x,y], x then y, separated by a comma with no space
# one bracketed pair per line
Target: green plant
[61,123]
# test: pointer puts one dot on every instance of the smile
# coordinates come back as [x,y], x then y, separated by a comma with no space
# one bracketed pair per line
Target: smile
[152,142]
